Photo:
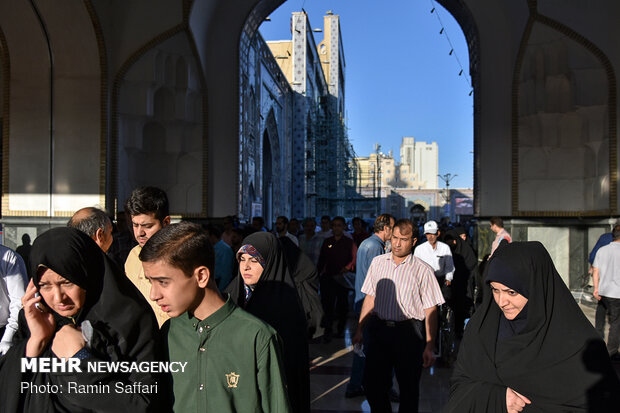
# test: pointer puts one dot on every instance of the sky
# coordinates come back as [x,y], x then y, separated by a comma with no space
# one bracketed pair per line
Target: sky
[400,78]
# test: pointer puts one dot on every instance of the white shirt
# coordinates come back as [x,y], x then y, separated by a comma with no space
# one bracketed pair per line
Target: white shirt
[13,280]
[440,258]
[292,238]
[607,261]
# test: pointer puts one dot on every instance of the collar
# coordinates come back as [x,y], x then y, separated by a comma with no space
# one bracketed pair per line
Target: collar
[378,239]
[214,319]
[407,260]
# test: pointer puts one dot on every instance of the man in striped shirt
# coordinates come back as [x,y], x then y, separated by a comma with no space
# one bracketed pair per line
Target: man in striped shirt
[400,312]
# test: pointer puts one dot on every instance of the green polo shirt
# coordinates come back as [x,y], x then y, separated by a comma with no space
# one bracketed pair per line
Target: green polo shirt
[234,363]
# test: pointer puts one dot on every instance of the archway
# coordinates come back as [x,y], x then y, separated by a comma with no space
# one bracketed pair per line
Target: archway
[307,87]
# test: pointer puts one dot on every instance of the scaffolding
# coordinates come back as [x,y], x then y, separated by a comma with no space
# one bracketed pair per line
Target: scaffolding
[331,175]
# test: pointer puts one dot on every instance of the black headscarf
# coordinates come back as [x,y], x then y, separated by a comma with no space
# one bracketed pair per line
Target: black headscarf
[79,260]
[465,265]
[513,275]
[275,300]
[557,360]
[306,278]
[123,329]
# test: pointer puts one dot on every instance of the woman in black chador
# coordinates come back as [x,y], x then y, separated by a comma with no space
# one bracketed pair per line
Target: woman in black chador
[529,346]
[79,305]
[265,288]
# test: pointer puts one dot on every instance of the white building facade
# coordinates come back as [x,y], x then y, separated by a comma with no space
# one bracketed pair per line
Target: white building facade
[419,163]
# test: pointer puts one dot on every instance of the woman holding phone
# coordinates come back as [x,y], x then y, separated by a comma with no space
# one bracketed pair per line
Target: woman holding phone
[78,305]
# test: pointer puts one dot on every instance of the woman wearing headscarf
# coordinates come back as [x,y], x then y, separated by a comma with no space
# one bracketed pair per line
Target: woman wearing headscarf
[465,266]
[529,346]
[306,278]
[265,288]
[80,305]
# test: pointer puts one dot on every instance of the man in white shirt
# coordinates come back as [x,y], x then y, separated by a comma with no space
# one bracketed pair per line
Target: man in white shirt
[606,279]
[436,254]
[282,230]
[13,280]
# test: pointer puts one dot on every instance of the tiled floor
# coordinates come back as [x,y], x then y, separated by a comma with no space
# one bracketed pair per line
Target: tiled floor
[331,367]
[330,371]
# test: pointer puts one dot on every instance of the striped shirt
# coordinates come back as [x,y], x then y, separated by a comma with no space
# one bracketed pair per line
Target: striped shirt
[402,291]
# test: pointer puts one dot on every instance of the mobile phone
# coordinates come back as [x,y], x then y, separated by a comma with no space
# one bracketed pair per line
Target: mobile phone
[40,305]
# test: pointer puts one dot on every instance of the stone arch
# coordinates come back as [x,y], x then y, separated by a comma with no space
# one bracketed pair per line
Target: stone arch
[273,140]
[271,127]
[170,121]
[69,114]
[457,8]
[576,115]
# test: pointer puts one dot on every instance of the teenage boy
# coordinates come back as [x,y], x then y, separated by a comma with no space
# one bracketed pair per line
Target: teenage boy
[149,212]
[233,359]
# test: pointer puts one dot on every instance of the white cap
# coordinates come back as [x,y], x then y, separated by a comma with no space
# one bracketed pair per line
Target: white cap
[430,227]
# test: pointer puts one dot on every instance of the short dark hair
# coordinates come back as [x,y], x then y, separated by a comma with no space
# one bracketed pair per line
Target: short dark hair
[309,219]
[185,246]
[381,221]
[91,223]
[262,221]
[283,218]
[326,217]
[214,230]
[497,221]
[148,200]
[339,218]
[615,233]
[405,225]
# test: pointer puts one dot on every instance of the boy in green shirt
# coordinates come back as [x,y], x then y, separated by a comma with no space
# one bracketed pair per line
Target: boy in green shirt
[233,358]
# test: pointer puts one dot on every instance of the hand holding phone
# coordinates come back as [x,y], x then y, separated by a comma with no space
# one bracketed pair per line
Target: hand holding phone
[39,306]
[40,321]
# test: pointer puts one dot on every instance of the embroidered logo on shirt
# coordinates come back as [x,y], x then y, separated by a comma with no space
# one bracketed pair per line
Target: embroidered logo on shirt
[232,379]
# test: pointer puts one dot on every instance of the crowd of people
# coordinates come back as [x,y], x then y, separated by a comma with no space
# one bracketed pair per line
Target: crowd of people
[237,304]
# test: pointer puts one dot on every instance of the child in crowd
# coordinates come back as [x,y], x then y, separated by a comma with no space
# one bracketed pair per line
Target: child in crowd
[233,359]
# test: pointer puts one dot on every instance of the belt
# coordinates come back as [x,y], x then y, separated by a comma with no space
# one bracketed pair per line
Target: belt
[390,323]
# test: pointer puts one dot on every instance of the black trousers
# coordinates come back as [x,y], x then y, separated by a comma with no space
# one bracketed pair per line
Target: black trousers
[600,317]
[394,347]
[613,339]
[335,300]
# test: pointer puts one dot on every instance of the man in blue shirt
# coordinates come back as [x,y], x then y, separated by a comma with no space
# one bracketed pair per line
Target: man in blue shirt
[368,249]
[224,258]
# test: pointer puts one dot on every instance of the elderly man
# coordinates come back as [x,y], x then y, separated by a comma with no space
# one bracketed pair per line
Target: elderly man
[436,254]
[96,224]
